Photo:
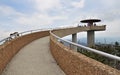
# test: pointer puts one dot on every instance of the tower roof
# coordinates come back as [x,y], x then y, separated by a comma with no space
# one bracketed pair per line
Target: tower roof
[90,20]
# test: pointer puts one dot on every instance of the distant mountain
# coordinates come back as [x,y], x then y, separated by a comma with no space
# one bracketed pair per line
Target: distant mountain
[107,40]
[102,40]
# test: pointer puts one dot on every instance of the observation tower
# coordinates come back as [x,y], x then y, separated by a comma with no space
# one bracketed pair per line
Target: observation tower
[91,23]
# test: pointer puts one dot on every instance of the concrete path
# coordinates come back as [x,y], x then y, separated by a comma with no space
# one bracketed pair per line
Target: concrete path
[34,59]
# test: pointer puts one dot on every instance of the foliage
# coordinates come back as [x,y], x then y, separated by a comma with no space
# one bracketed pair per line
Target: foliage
[116,43]
[108,48]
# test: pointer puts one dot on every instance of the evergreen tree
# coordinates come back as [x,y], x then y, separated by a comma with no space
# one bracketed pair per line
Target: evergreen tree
[116,43]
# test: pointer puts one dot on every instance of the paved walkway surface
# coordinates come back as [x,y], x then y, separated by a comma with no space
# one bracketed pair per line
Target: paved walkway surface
[34,59]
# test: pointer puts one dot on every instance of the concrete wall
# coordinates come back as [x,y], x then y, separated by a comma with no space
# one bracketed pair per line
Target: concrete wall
[73,63]
[8,50]
[68,31]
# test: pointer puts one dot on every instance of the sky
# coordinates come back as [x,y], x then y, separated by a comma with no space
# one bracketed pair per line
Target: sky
[24,15]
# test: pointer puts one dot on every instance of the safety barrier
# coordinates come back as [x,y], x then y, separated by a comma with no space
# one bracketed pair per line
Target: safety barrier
[87,48]
[74,63]
[16,34]
[11,47]
[12,44]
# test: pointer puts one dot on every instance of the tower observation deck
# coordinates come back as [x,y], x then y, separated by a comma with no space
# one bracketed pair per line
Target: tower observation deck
[90,33]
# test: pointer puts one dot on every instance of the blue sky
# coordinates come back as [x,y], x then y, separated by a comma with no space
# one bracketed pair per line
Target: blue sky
[23,15]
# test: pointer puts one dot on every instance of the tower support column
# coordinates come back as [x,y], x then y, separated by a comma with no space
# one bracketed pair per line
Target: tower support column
[74,39]
[90,38]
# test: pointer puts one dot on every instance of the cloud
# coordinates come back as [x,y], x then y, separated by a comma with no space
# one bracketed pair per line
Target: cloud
[79,4]
[45,5]
[34,20]
[6,11]
[38,19]
[4,34]
[110,3]
[57,13]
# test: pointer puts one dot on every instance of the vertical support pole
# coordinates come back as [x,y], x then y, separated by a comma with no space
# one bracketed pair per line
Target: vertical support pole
[74,39]
[90,39]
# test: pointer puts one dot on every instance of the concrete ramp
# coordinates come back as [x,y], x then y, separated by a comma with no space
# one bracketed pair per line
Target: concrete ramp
[34,59]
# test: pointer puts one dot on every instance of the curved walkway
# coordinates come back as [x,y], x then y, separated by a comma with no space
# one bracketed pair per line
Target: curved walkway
[34,59]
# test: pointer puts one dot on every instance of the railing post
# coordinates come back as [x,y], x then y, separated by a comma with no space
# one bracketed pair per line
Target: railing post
[74,39]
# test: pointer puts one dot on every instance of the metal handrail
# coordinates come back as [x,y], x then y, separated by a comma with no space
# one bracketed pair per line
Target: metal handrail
[31,31]
[23,33]
[87,48]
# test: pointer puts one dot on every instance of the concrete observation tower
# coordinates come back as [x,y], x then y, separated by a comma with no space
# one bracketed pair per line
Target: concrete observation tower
[92,28]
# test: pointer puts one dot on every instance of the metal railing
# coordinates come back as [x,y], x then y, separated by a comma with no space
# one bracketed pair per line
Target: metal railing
[29,32]
[87,48]
[21,34]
